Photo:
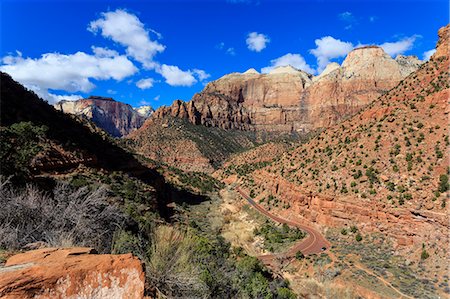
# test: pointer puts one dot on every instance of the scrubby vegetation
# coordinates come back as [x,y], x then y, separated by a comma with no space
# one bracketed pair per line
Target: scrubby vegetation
[66,217]
[19,144]
[278,237]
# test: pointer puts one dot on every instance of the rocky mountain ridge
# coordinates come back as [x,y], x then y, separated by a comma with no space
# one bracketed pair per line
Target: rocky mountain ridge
[116,118]
[288,100]
[385,169]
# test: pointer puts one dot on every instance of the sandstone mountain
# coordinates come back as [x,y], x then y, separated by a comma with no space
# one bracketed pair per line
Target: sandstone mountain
[288,100]
[116,118]
[384,170]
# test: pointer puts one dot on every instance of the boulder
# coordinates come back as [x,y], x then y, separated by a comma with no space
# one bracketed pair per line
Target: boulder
[71,273]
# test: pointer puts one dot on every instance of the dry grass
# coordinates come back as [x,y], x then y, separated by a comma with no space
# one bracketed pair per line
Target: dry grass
[170,268]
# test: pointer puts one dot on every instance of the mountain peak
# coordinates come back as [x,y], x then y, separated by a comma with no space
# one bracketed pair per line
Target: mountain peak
[285,69]
[251,71]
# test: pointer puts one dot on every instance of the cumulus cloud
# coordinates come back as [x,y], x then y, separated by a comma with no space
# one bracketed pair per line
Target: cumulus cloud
[145,83]
[257,41]
[201,74]
[399,47]
[427,54]
[295,60]
[176,77]
[328,48]
[127,30]
[71,73]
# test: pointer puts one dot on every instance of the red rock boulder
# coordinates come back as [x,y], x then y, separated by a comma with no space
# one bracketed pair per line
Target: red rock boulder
[71,273]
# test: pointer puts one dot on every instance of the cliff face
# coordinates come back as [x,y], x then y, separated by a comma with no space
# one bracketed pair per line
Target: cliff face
[288,100]
[116,118]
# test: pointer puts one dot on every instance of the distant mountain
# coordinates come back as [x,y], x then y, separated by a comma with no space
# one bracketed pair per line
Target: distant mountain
[145,111]
[288,100]
[116,118]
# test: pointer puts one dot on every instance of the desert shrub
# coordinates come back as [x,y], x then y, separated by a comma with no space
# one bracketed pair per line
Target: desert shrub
[299,255]
[443,183]
[169,267]
[64,217]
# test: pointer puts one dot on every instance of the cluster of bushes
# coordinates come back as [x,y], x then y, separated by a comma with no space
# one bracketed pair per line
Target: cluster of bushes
[66,216]
[19,144]
[197,181]
[184,262]
[276,237]
[246,168]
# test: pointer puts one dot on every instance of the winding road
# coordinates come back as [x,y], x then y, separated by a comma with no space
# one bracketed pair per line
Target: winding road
[313,244]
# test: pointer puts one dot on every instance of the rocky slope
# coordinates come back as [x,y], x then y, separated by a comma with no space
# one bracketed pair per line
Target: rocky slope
[179,143]
[384,170]
[116,118]
[289,100]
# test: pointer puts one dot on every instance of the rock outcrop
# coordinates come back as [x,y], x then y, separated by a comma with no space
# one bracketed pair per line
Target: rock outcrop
[71,273]
[116,118]
[289,100]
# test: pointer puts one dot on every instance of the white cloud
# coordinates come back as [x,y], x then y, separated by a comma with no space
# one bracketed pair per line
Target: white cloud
[220,45]
[295,60]
[144,103]
[157,98]
[127,30]
[346,16]
[201,74]
[71,73]
[57,98]
[145,83]
[231,51]
[257,41]
[329,48]
[103,52]
[399,47]
[427,54]
[175,76]
[111,91]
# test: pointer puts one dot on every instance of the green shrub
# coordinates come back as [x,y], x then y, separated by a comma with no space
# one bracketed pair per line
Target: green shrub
[443,183]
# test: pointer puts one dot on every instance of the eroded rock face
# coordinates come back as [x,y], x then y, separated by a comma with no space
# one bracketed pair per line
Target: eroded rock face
[71,273]
[116,118]
[289,100]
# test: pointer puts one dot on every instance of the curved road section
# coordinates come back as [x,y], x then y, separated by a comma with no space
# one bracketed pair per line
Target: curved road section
[313,244]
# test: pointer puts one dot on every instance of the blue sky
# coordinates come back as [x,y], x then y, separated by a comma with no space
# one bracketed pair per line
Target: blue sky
[153,52]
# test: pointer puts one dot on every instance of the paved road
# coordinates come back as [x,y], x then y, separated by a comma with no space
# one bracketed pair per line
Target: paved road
[313,244]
